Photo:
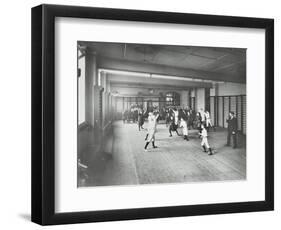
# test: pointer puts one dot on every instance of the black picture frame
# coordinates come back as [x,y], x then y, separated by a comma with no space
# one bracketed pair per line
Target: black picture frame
[43,114]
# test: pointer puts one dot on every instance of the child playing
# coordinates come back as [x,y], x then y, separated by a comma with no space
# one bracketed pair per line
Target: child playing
[152,123]
[204,142]
[183,124]
[173,126]
[208,121]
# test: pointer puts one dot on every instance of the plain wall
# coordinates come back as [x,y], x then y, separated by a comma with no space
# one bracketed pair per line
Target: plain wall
[229,88]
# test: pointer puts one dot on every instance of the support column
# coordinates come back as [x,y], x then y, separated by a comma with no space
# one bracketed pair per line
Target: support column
[184,98]
[110,111]
[103,85]
[207,99]
[90,75]
[96,98]
[200,98]
[216,113]
[188,104]
[195,99]
[192,99]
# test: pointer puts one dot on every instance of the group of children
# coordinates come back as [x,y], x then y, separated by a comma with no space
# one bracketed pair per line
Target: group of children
[179,119]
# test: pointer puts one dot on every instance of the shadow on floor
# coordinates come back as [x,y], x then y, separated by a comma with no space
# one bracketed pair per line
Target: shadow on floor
[25,216]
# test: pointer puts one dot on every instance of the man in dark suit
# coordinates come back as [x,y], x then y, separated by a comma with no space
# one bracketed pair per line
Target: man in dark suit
[232,129]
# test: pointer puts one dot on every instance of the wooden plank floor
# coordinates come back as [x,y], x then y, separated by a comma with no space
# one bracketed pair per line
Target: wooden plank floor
[174,161]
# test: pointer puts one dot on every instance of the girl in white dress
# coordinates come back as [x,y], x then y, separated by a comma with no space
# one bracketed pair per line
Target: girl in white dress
[151,129]
[183,125]
[208,120]
[176,112]
[204,143]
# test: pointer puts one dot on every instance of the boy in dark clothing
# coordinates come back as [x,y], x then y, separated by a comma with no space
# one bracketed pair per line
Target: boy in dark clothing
[173,126]
[140,119]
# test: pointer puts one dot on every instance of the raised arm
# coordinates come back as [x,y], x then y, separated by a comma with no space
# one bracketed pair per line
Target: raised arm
[156,117]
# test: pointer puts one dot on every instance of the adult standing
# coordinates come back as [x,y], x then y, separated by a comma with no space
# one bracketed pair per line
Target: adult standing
[191,119]
[232,129]
[125,116]
[167,117]
[135,114]
[140,119]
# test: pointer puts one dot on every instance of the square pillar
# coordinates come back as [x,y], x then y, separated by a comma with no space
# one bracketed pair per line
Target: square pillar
[90,75]
[184,98]
[200,99]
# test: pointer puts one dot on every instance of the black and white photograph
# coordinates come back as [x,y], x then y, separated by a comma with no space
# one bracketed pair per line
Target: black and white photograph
[140,114]
[154,114]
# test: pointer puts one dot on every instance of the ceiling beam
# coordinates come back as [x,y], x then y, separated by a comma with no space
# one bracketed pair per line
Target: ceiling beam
[156,81]
[144,86]
[125,65]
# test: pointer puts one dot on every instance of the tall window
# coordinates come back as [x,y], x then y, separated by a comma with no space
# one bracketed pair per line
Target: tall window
[172,98]
[81,88]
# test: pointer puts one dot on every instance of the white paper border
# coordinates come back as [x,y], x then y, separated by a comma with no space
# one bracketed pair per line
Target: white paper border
[70,199]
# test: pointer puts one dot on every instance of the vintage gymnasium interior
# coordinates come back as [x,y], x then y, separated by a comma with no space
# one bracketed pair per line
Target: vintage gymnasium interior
[116,79]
